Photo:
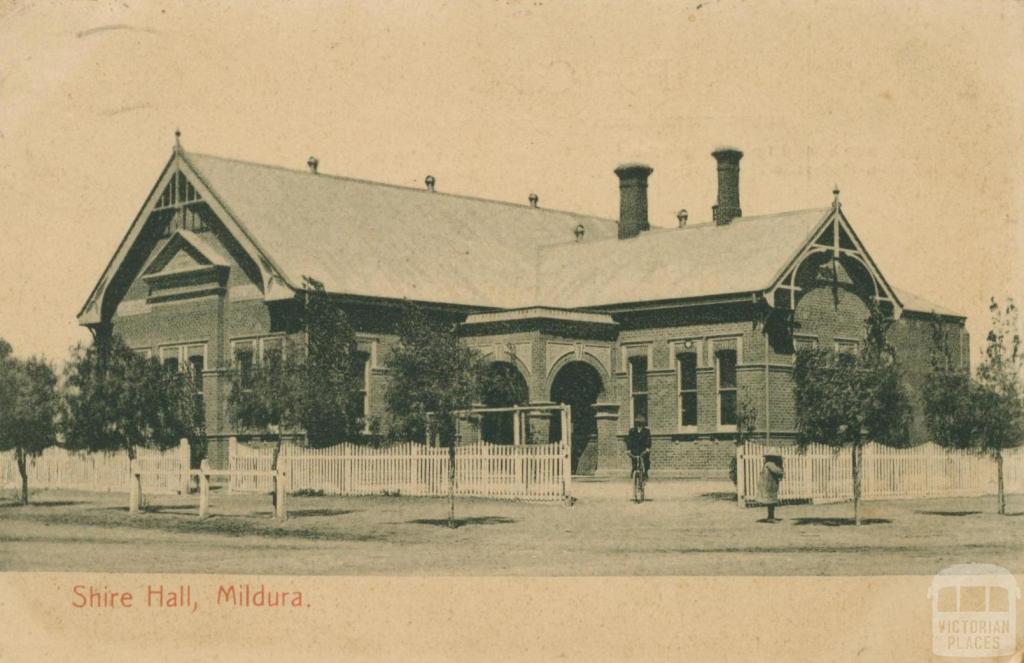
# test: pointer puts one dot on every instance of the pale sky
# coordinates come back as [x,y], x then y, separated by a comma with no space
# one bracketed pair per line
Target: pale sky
[913,109]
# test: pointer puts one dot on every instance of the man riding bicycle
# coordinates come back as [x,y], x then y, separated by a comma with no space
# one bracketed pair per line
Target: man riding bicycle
[638,442]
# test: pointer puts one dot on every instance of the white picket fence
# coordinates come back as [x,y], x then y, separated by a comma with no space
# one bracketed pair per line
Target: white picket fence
[166,472]
[536,472]
[822,474]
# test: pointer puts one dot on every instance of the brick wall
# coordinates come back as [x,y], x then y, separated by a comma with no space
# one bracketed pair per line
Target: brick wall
[822,314]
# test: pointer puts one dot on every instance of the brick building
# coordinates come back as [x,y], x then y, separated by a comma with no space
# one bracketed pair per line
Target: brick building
[611,315]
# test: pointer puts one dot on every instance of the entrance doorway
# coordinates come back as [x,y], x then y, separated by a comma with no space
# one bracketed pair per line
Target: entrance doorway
[578,384]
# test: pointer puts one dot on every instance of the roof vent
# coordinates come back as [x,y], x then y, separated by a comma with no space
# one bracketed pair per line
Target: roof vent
[313,164]
[429,181]
[534,199]
[579,232]
[682,215]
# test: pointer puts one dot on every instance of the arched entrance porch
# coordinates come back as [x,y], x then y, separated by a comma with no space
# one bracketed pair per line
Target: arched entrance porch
[579,385]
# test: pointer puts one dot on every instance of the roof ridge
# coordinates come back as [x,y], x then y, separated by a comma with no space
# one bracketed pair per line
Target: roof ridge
[663,230]
[402,187]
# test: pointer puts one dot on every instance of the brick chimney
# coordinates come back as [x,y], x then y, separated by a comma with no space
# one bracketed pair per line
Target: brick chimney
[633,199]
[728,207]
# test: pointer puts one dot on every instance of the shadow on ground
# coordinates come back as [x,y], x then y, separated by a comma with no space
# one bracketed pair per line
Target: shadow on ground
[948,513]
[182,519]
[459,522]
[309,513]
[9,505]
[719,497]
[839,522]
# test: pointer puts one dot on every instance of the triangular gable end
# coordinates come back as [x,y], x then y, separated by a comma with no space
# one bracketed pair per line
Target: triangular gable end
[171,201]
[834,236]
[184,251]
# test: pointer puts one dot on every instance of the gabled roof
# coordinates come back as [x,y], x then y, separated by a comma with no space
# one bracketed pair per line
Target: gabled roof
[696,261]
[379,240]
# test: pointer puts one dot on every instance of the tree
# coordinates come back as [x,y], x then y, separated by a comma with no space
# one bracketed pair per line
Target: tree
[114,399]
[1001,377]
[312,386]
[985,414]
[746,424]
[28,409]
[846,399]
[433,375]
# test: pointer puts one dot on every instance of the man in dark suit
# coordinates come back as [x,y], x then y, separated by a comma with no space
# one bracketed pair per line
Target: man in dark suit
[638,442]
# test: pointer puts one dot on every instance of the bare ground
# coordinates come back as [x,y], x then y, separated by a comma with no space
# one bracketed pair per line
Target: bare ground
[687,528]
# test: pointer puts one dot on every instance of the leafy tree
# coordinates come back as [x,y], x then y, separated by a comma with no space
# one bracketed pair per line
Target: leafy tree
[846,399]
[311,387]
[986,413]
[433,375]
[1001,378]
[116,399]
[501,385]
[28,409]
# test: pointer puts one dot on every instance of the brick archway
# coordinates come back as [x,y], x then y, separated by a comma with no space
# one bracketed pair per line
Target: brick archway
[580,385]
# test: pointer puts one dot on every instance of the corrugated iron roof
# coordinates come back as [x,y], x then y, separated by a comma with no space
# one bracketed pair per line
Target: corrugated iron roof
[912,302]
[380,240]
[696,261]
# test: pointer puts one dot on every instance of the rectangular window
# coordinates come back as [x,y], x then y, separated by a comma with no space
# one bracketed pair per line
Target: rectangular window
[687,388]
[243,356]
[362,404]
[802,342]
[196,363]
[189,359]
[638,387]
[170,357]
[271,348]
[845,346]
[725,365]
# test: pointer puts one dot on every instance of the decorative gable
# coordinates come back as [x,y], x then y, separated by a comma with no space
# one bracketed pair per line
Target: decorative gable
[186,267]
[836,257]
[180,209]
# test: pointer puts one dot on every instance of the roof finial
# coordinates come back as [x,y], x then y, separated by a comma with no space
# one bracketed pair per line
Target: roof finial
[835,196]
[177,140]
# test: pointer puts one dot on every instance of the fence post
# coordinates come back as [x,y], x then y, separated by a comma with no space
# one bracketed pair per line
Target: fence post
[281,512]
[185,457]
[566,450]
[741,475]
[134,488]
[232,458]
[204,489]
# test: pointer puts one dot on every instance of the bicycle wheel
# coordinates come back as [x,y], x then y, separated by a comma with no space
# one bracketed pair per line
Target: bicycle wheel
[638,487]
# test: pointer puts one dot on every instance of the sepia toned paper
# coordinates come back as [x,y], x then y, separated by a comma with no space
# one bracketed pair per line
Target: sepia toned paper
[912,111]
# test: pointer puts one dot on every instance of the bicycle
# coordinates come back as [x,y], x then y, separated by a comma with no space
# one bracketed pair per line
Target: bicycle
[638,477]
